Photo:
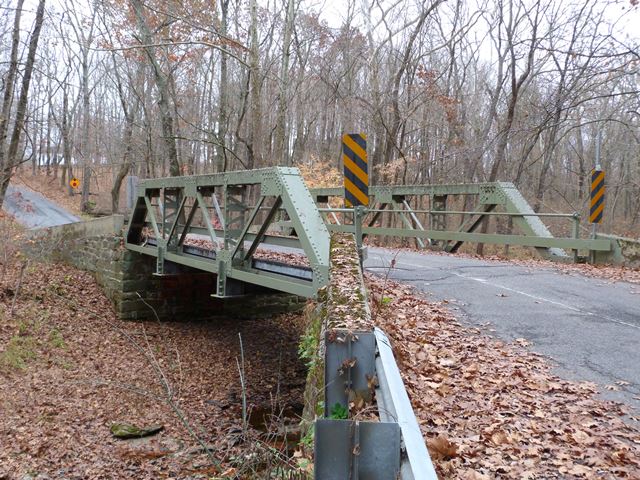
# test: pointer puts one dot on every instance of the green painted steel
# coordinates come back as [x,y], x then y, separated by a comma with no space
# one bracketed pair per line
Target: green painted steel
[491,199]
[497,239]
[170,213]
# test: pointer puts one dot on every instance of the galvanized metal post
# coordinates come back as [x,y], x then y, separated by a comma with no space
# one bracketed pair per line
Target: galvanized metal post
[438,221]
[594,225]
[576,234]
[358,214]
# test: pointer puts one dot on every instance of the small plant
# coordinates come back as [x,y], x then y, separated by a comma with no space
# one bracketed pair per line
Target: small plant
[307,441]
[386,300]
[18,351]
[308,348]
[55,339]
[339,412]
[23,328]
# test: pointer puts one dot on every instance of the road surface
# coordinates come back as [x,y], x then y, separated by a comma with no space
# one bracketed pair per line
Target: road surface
[33,210]
[589,327]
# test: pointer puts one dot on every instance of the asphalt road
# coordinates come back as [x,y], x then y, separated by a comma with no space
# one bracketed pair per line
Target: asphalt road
[589,327]
[34,210]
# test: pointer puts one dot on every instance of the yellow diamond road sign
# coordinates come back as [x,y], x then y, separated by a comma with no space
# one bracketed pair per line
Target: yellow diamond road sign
[74,182]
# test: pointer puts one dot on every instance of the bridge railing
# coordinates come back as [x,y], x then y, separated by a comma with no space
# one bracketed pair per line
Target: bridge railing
[446,227]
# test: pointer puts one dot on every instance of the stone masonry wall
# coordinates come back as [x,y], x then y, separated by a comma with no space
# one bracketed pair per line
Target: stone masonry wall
[127,277]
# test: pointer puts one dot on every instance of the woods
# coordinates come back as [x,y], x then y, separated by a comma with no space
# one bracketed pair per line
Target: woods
[447,91]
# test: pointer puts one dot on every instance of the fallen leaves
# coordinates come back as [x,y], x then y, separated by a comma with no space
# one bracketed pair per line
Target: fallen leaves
[85,374]
[442,449]
[490,409]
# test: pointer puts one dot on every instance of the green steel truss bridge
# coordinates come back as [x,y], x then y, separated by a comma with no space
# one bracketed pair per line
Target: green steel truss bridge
[216,223]
[229,224]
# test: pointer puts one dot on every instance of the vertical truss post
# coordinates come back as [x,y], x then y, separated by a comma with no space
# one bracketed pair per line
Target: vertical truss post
[234,211]
[576,234]
[221,286]
[437,221]
[398,202]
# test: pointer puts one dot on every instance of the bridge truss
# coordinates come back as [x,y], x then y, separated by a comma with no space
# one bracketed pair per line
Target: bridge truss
[218,224]
[446,227]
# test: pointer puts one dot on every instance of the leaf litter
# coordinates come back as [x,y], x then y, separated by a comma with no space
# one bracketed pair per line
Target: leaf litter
[82,370]
[491,409]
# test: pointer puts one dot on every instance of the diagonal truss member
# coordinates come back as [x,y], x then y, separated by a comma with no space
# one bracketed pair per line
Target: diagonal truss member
[216,223]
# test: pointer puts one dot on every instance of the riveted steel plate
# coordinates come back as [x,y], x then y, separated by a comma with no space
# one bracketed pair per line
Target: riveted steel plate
[492,195]
[346,449]
[271,185]
[349,366]
[382,195]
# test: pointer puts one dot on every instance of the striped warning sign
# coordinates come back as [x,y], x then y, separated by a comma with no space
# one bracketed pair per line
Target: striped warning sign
[597,196]
[356,169]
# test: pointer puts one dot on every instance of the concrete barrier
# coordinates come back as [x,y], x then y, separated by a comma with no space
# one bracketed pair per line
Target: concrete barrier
[624,251]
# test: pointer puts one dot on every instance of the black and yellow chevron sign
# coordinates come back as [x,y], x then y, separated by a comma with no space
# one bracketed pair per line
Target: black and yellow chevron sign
[356,169]
[597,196]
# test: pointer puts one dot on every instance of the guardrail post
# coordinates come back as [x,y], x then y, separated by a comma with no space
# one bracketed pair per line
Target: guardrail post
[576,234]
[358,215]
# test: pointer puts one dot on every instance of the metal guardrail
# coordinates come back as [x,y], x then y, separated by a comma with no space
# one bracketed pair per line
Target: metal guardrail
[394,405]
[390,448]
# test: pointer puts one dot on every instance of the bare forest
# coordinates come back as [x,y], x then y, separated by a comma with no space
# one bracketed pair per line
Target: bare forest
[447,92]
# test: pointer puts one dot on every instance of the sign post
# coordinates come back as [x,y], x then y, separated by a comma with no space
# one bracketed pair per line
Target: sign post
[596,197]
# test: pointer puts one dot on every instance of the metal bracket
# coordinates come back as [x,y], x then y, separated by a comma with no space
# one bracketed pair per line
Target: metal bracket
[349,367]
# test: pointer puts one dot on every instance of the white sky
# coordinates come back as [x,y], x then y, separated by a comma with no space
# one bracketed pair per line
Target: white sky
[333,11]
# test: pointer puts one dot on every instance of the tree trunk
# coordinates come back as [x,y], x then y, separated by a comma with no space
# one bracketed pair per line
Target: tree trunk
[9,84]
[22,103]
[255,130]
[162,83]
[281,152]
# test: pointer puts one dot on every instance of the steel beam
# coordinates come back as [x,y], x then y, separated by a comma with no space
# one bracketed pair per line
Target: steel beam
[498,239]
